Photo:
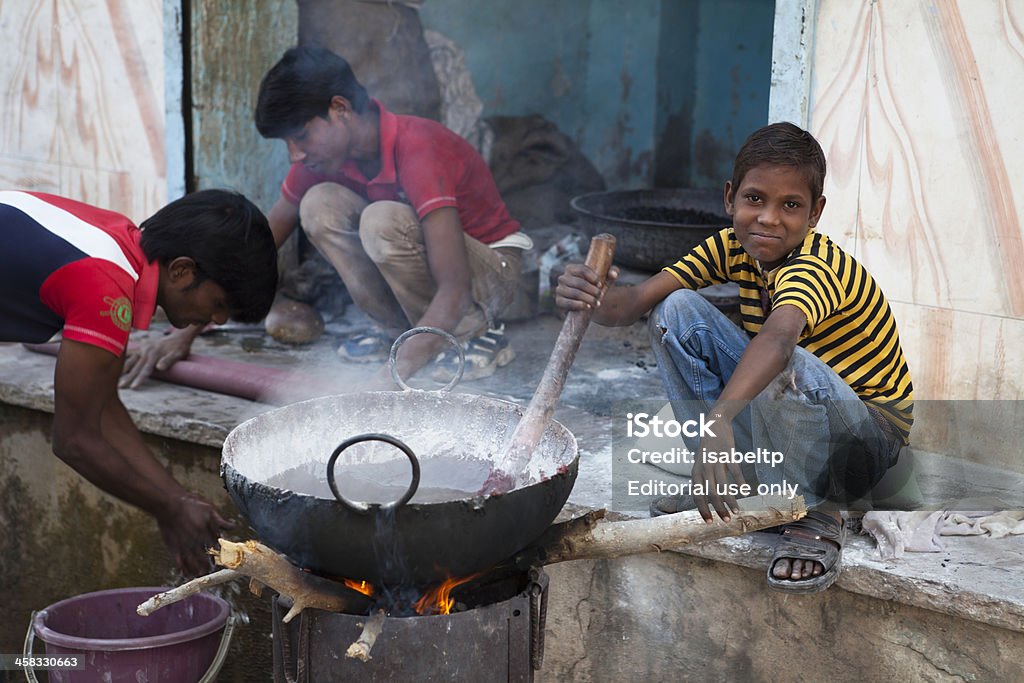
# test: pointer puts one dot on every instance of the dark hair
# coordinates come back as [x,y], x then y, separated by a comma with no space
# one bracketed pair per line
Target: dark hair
[782,144]
[300,87]
[230,241]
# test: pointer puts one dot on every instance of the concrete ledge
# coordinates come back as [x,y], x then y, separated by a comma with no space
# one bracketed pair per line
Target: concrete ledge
[200,417]
[671,616]
[974,578]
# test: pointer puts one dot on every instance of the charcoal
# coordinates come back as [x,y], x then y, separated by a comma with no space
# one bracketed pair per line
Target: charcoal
[667,214]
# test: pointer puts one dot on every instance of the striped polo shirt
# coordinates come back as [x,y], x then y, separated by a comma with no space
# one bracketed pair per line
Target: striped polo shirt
[849,323]
[72,268]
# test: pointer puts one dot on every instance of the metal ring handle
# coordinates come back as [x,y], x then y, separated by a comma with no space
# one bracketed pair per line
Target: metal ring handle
[359,506]
[26,651]
[222,652]
[393,366]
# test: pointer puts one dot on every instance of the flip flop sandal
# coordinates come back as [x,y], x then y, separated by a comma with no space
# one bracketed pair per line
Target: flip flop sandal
[814,538]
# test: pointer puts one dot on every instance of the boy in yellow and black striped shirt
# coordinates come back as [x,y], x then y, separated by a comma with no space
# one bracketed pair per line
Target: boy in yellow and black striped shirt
[849,324]
[817,372]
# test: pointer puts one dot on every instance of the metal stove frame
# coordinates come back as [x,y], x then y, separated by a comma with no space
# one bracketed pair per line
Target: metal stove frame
[502,641]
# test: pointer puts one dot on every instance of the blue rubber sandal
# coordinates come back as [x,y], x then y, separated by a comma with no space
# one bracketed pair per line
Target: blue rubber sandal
[366,347]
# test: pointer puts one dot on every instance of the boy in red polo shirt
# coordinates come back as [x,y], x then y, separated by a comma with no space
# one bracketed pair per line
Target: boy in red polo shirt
[405,210]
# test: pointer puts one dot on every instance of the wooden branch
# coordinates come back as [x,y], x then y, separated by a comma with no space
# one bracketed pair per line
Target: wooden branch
[186,589]
[592,539]
[371,629]
[274,570]
[586,537]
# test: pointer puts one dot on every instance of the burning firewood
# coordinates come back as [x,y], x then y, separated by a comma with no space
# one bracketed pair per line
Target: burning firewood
[263,567]
[371,629]
[186,589]
[274,570]
[586,537]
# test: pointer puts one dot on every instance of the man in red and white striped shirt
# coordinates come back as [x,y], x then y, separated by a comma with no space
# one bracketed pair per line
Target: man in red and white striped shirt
[91,275]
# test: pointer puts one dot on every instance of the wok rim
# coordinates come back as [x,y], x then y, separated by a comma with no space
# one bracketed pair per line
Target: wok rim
[228,451]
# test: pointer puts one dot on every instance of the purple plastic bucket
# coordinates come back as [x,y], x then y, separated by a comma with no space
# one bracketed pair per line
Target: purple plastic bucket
[176,644]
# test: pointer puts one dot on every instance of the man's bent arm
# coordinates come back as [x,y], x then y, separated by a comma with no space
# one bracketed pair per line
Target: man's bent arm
[94,434]
[283,217]
[448,261]
[766,355]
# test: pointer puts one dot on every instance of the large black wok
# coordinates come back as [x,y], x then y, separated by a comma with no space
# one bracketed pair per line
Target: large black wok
[492,478]
[454,437]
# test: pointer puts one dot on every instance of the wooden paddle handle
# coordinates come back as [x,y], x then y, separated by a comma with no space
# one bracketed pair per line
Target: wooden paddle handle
[513,459]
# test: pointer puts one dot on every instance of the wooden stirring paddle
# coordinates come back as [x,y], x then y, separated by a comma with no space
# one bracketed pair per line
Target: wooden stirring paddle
[511,462]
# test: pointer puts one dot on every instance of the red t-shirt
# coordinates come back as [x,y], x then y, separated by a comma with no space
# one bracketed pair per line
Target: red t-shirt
[426,166]
[73,268]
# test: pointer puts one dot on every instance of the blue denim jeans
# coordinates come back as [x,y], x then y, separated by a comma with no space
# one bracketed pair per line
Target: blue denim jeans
[832,448]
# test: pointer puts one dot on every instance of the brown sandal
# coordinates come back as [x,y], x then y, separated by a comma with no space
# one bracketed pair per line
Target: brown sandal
[815,538]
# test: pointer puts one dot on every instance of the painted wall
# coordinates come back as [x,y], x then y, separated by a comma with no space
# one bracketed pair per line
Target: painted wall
[917,105]
[639,84]
[733,72]
[655,92]
[83,101]
[677,94]
[91,104]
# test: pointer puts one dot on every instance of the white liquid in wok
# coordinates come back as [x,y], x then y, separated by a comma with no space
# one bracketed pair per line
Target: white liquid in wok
[441,479]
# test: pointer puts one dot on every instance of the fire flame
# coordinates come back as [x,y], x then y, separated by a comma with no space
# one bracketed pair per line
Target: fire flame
[359,587]
[438,599]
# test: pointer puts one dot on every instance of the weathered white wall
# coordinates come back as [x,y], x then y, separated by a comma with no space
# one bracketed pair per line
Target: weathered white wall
[917,107]
[82,112]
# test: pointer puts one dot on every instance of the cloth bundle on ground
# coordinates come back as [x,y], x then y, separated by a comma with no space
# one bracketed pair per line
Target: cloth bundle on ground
[897,533]
[539,169]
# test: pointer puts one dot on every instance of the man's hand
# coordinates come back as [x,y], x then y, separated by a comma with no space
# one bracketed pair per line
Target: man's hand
[717,474]
[156,354]
[95,435]
[448,261]
[189,528]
